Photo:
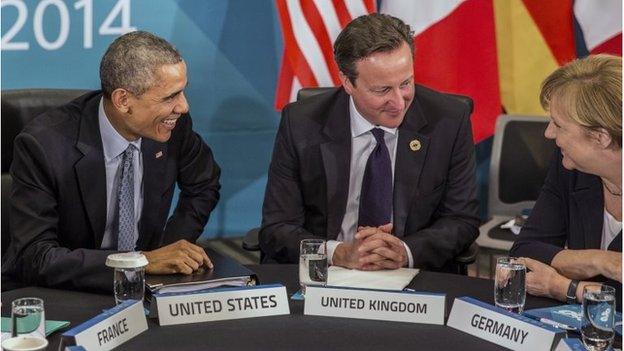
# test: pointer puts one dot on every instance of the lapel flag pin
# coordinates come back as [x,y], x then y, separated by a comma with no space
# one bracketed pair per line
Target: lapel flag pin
[159,154]
[414,145]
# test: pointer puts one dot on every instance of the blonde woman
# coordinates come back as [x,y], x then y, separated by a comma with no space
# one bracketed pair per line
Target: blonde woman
[574,233]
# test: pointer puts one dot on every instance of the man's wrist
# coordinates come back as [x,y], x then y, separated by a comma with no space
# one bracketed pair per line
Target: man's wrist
[339,258]
[331,249]
[408,257]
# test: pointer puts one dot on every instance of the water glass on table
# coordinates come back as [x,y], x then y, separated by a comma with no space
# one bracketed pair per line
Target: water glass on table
[129,276]
[27,325]
[598,322]
[312,263]
[509,284]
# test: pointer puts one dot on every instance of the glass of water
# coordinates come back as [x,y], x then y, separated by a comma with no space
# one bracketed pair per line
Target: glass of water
[129,276]
[509,288]
[312,263]
[598,317]
[28,317]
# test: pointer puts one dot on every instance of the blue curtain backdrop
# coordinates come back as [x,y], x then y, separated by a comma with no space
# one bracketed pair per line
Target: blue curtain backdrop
[233,51]
[232,48]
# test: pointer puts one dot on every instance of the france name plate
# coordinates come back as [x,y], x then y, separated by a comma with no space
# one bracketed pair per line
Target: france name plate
[398,306]
[501,327]
[221,304]
[109,329]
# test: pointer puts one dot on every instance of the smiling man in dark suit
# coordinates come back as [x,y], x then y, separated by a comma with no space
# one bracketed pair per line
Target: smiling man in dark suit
[97,175]
[382,168]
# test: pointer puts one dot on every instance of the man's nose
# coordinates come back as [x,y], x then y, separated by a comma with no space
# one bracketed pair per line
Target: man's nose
[397,99]
[181,106]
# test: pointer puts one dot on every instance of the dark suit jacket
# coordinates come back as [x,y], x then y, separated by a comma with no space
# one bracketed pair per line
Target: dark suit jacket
[569,212]
[435,194]
[58,200]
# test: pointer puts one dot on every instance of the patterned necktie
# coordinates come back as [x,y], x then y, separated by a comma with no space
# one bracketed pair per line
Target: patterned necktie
[125,203]
[376,193]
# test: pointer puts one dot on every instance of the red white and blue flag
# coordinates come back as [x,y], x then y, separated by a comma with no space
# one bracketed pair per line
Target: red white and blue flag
[496,51]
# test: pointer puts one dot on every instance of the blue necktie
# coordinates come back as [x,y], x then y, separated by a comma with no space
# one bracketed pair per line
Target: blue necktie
[376,193]
[125,203]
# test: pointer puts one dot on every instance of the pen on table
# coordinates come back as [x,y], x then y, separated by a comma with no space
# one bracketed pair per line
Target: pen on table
[556,324]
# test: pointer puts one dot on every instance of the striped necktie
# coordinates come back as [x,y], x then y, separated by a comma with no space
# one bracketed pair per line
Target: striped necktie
[125,203]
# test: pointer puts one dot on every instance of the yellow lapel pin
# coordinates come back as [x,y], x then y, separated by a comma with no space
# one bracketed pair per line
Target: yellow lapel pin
[414,145]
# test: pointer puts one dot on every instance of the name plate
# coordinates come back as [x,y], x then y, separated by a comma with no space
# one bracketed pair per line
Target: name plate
[570,345]
[222,304]
[502,327]
[384,305]
[110,328]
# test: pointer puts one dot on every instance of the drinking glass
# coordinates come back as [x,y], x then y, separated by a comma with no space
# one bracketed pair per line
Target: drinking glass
[509,288]
[129,276]
[312,263]
[598,317]
[28,317]
[24,343]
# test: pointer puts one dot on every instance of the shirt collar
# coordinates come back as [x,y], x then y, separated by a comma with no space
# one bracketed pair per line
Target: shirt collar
[113,143]
[360,125]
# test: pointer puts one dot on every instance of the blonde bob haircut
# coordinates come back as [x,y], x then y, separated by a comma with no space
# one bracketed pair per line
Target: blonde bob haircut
[589,91]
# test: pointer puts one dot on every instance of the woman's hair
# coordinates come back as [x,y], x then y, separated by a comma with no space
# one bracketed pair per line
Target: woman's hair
[589,91]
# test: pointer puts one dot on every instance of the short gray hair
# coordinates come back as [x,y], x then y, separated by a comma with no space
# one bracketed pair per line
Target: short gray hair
[132,61]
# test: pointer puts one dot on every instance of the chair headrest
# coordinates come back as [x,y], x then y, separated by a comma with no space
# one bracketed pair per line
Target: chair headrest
[21,106]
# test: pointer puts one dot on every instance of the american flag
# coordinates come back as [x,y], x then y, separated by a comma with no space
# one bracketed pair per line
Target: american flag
[310,28]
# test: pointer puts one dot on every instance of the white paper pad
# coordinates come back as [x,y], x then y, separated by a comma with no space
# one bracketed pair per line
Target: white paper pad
[396,279]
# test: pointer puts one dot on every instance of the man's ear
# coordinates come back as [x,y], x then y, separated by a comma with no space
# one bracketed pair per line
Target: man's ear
[121,100]
[346,83]
[602,137]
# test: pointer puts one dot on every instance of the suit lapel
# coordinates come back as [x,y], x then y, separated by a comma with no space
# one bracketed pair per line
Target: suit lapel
[336,154]
[408,164]
[90,170]
[588,197]
[616,243]
[154,161]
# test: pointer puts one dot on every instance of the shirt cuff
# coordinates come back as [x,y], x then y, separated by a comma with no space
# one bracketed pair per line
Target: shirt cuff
[331,247]
[410,259]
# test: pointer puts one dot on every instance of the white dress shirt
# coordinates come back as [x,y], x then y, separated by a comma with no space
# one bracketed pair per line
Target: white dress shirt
[114,146]
[610,229]
[362,145]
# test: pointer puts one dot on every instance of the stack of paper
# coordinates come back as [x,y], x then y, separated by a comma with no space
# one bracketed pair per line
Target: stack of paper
[396,279]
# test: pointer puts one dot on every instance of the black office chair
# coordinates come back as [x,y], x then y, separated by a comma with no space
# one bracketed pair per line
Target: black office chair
[461,261]
[305,93]
[521,156]
[18,107]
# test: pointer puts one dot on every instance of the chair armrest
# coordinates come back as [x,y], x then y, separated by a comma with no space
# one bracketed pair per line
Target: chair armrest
[469,255]
[250,241]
